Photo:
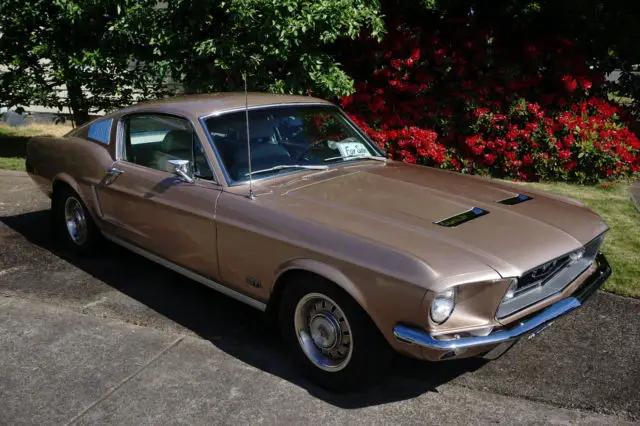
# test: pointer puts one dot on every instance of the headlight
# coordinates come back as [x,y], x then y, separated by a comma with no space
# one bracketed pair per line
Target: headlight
[442,306]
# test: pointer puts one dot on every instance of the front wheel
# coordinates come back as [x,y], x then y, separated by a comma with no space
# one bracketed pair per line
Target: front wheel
[333,339]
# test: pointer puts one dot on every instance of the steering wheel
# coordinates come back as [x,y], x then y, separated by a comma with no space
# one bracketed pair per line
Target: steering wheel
[308,148]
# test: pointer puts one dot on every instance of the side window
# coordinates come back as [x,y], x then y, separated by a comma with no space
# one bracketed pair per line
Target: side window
[100,131]
[201,167]
[151,140]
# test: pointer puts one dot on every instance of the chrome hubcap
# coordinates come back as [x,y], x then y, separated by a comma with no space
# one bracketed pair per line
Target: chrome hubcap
[323,332]
[75,220]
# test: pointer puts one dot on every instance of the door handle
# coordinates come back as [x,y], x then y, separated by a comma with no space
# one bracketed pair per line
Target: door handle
[112,175]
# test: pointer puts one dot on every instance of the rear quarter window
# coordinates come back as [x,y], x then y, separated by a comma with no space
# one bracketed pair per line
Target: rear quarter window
[100,131]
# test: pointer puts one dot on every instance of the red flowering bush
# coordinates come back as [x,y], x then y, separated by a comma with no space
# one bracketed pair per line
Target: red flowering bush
[466,98]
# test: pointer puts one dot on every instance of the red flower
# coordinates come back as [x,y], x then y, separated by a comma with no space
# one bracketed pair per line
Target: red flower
[455,163]
[479,112]
[346,101]
[564,154]
[509,119]
[570,83]
[585,83]
[490,158]
[415,54]
[407,157]
[396,63]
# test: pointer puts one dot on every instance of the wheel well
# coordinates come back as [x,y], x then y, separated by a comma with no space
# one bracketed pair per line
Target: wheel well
[58,185]
[296,274]
[282,282]
[289,276]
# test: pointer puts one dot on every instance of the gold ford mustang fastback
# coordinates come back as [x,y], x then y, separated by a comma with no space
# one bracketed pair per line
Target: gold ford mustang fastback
[284,204]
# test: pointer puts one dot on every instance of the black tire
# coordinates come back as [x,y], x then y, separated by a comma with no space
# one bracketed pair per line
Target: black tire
[370,354]
[91,235]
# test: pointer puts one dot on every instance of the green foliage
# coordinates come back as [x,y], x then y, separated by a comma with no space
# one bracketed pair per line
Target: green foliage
[109,53]
[284,45]
[82,55]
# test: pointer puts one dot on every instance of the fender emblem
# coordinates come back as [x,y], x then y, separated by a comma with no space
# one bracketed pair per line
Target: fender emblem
[253,282]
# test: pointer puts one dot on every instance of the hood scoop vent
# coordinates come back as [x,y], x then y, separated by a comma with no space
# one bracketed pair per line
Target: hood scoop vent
[511,201]
[459,219]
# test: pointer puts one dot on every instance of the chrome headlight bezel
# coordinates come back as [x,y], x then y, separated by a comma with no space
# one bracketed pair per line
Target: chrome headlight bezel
[511,290]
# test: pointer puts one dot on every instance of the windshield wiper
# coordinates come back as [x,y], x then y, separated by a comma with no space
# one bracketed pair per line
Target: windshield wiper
[357,157]
[287,166]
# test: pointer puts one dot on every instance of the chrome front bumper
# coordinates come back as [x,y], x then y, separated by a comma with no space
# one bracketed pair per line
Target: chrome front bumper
[531,325]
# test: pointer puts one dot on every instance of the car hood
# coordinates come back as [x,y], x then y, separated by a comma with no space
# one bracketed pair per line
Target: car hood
[397,205]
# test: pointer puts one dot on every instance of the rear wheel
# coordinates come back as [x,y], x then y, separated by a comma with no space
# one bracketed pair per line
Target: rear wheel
[72,222]
[330,336]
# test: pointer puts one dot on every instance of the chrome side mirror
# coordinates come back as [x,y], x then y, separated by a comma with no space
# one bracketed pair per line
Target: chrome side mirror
[181,169]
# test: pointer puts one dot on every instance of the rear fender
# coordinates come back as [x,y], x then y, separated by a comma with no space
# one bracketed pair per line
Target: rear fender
[73,184]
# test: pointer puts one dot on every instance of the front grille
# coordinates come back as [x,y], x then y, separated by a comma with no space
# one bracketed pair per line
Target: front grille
[549,278]
[541,274]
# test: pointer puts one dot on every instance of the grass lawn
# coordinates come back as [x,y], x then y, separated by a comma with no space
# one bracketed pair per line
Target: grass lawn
[34,130]
[622,245]
[12,163]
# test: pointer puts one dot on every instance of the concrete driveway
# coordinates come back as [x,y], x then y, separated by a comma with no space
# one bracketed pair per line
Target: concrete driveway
[117,339]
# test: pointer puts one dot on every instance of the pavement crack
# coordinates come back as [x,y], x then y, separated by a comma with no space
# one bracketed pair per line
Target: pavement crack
[94,303]
[11,270]
[124,381]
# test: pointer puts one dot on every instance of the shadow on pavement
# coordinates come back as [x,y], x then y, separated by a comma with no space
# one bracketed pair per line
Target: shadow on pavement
[233,327]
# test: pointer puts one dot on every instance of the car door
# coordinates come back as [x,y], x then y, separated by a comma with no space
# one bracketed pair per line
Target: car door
[153,209]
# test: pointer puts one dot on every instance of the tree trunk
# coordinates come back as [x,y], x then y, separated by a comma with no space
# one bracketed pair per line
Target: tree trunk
[77,102]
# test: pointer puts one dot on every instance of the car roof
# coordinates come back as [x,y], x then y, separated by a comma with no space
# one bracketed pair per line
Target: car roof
[196,106]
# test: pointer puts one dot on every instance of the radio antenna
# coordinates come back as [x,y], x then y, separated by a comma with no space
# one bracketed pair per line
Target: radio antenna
[246,110]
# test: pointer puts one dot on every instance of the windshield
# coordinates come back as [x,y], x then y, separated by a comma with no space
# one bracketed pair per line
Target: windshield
[287,138]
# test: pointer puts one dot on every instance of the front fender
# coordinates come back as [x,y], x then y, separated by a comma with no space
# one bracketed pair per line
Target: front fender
[387,300]
[324,270]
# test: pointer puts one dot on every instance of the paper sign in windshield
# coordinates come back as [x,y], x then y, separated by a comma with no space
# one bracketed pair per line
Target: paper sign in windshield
[353,149]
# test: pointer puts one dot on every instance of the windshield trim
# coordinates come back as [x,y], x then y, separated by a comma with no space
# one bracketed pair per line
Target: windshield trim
[231,182]
[222,112]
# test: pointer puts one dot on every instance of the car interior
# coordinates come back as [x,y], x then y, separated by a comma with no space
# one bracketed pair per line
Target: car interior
[152,141]
[276,138]
[265,148]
